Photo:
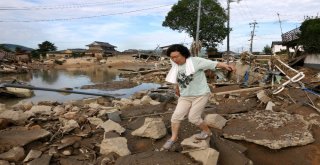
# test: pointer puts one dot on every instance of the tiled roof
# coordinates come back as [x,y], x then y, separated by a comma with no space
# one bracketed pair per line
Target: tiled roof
[106,44]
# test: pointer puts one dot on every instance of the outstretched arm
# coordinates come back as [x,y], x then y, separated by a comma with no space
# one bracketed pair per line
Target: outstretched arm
[225,66]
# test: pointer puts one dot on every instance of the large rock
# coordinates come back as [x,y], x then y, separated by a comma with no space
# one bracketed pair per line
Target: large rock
[271,129]
[43,160]
[13,155]
[68,125]
[59,110]
[215,121]
[95,120]
[4,162]
[17,116]
[2,107]
[152,128]
[193,143]
[33,154]
[112,126]
[206,156]
[117,145]
[20,136]
[41,109]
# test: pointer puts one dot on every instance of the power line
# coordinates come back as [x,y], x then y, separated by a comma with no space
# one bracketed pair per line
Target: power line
[252,34]
[80,5]
[86,17]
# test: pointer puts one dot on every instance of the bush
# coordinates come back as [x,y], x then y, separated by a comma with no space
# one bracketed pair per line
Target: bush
[310,35]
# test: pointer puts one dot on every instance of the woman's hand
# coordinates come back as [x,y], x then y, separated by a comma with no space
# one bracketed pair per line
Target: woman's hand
[226,66]
[177,91]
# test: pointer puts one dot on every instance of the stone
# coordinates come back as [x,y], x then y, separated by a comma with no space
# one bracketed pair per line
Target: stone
[14,155]
[2,107]
[4,162]
[41,109]
[53,151]
[270,105]
[4,123]
[69,125]
[68,141]
[136,102]
[33,154]
[108,146]
[193,143]
[94,105]
[67,152]
[75,109]
[153,102]
[95,121]
[112,126]
[215,121]
[152,128]
[43,160]
[263,97]
[17,116]
[274,130]
[146,99]
[72,161]
[58,110]
[20,136]
[71,115]
[114,116]
[206,156]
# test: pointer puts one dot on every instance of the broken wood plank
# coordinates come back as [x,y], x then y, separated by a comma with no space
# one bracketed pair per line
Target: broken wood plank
[240,90]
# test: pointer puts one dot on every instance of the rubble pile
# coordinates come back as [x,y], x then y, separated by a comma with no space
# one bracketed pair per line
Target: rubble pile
[244,117]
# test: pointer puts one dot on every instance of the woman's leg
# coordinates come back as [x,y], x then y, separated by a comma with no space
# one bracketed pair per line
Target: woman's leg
[178,115]
[196,111]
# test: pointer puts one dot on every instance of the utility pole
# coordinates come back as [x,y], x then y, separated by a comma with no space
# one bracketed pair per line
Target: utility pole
[228,37]
[252,33]
[228,26]
[280,23]
[198,22]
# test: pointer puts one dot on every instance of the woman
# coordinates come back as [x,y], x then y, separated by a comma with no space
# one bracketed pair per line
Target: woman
[192,88]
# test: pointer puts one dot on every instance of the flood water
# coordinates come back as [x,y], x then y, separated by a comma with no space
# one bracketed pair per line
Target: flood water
[70,78]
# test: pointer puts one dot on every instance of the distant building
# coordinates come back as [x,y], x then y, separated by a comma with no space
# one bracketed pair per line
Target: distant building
[276,46]
[23,57]
[65,53]
[103,49]
[7,56]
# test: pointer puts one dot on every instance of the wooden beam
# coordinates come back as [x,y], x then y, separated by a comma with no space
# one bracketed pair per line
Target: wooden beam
[240,90]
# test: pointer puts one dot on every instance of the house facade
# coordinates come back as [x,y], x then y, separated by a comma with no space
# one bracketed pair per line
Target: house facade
[276,47]
[7,56]
[98,48]
[65,53]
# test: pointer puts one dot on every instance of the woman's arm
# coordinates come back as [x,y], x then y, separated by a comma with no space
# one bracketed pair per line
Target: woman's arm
[177,90]
[225,66]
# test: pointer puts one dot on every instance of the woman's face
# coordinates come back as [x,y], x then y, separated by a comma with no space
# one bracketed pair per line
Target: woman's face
[177,58]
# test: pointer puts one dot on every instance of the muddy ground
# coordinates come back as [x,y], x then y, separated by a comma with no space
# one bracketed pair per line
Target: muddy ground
[146,150]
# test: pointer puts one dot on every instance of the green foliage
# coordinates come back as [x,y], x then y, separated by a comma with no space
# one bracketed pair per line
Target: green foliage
[267,50]
[35,54]
[310,35]
[183,17]
[75,55]
[2,47]
[45,47]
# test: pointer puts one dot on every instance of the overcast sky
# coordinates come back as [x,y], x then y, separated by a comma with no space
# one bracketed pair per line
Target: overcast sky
[137,24]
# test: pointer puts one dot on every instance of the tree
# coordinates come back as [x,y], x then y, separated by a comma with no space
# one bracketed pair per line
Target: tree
[45,47]
[183,17]
[267,49]
[310,35]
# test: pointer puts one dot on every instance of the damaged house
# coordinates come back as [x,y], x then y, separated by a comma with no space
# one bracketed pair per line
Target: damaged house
[98,48]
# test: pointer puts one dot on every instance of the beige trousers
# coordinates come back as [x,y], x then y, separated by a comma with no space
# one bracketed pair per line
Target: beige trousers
[192,106]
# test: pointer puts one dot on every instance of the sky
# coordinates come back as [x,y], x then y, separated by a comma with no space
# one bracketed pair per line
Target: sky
[137,24]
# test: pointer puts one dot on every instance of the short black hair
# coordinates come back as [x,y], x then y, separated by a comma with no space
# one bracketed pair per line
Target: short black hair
[184,51]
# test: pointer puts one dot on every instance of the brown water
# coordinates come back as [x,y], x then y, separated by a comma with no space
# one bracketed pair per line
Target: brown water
[70,78]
